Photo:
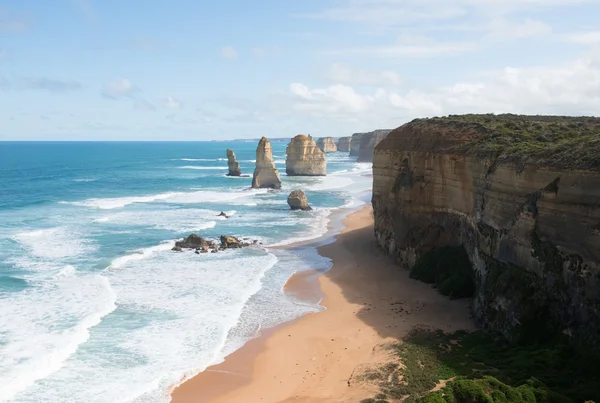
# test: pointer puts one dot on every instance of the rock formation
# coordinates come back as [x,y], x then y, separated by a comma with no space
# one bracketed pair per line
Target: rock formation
[297,201]
[233,164]
[355,144]
[368,142]
[343,144]
[265,173]
[304,158]
[202,245]
[520,195]
[327,145]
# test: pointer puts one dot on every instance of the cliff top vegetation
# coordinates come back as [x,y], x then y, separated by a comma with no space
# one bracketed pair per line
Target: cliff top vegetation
[565,141]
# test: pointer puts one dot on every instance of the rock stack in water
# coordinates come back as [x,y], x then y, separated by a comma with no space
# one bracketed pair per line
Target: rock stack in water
[233,164]
[265,173]
[368,142]
[343,144]
[304,158]
[297,201]
[327,145]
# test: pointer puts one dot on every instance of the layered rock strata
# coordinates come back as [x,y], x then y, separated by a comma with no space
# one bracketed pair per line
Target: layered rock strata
[327,145]
[233,164]
[265,173]
[521,195]
[297,200]
[304,158]
[355,144]
[343,144]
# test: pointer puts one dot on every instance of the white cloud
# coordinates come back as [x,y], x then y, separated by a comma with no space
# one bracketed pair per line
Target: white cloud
[171,103]
[393,51]
[585,38]
[569,88]
[229,52]
[341,73]
[122,88]
[503,28]
[259,52]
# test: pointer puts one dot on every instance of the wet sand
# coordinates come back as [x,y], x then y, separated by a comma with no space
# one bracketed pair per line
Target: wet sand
[369,300]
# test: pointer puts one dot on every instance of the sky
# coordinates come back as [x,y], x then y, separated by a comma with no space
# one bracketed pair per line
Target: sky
[228,69]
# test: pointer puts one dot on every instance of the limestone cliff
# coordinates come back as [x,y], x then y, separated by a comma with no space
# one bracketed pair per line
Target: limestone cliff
[343,144]
[304,158]
[355,144]
[265,173]
[327,145]
[368,142]
[521,195]
[233,164]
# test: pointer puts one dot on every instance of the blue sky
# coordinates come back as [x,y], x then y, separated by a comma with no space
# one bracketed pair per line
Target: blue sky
[197,70]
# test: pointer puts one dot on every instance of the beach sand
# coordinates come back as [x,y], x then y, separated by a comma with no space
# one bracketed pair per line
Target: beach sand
[369,301]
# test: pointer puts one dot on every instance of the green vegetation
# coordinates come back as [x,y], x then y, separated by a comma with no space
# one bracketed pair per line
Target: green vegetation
[572,142]
[449,268]
[483,368]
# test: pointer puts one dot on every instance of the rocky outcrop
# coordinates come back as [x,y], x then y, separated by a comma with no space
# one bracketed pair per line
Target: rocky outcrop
[327,145]
[297,200]
[522,201]
[202,245]
[304,158]
[233,164]
[265,173]
[343,144]
[368,142]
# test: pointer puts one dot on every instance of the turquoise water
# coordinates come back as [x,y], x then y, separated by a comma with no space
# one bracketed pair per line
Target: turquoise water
[95,307]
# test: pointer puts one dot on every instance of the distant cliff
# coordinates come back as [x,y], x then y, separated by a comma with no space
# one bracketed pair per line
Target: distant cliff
[343,144]
[363,144]
[520,195]
[327,144]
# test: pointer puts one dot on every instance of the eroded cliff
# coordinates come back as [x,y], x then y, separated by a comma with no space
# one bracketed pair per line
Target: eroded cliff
[521,195]
[304,158]
[343,144]
[232,164]
[265,173]
[327,145]
[368,142]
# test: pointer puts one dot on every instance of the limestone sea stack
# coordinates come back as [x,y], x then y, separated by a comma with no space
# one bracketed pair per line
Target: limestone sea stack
[524,209]
[343,144]
[297,201]
[304,158]
[368,142]
[327,145]
[233,164]
[265,173]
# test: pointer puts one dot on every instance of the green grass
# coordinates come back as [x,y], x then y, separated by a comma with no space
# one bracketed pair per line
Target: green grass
[449,268]
[572,142]
[484,368]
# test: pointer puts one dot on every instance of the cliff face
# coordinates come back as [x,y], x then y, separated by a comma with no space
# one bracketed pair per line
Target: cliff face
[265,173]
[521,195]
[343,144]
[233,164]
[355,144]
[304,158]
[327,144]
[368,142]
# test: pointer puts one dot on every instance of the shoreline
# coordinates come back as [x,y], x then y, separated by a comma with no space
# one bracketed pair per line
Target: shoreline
[368,299]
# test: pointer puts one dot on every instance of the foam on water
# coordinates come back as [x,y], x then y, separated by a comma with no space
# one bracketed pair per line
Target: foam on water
[176,220]
[201,167]
[119,202]
[53,243]
[44,326]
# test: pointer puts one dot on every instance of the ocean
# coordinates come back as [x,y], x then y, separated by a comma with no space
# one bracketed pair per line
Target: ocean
[94,305]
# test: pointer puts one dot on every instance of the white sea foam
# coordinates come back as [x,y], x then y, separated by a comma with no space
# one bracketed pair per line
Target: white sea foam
[195,159]
[201,167]
[54,243]
[35,346]
[119,202]
[84,180]
[177,220]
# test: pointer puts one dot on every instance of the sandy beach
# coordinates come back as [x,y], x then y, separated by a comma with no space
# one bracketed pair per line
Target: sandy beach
[369,301]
